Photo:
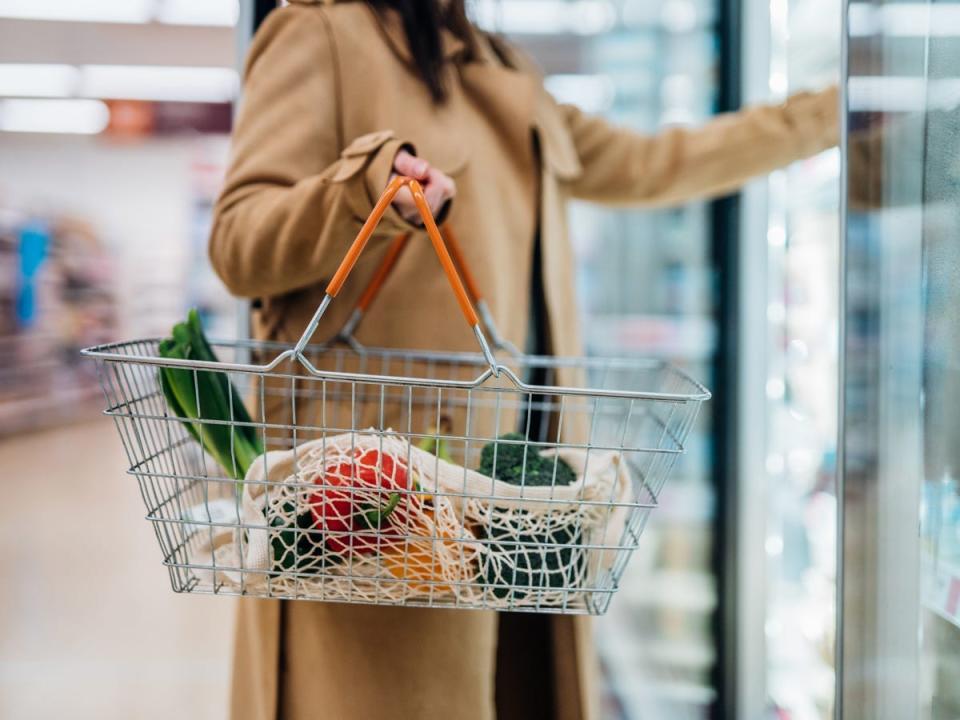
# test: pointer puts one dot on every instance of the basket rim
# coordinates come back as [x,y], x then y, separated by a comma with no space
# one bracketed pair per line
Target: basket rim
[112,353]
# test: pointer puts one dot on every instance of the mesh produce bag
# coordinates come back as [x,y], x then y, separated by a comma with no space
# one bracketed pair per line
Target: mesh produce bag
[370,517]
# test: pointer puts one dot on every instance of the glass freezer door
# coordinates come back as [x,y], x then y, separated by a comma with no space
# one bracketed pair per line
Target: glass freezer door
[900,443]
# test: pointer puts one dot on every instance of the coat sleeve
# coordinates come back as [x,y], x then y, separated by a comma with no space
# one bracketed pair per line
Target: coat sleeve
[294,196]
[624,167]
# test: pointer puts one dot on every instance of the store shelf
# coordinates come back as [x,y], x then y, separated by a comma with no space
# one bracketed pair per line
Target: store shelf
[666,693]
[68,404]
[692,655]
[681,590]
[656,679]
[686,502]
[687,337]
[942,595]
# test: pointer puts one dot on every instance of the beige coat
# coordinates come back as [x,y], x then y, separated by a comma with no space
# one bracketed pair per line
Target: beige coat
[329,99]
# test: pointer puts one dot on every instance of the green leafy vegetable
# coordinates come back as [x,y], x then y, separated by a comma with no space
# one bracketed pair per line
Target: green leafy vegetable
[295,549]
[525,562]
[522,561]
[206,401]
[519,463]
[434,441]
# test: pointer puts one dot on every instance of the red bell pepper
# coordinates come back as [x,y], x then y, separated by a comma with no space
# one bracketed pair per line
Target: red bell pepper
[339,511]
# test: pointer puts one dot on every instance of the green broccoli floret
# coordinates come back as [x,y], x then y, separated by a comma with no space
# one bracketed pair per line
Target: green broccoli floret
[526,562]
[519,463]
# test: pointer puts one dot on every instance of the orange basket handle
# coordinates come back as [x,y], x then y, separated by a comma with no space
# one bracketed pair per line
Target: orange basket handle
[396,248]
[439,246]
[454,245]
[483,309]
[473,289]
[376,282]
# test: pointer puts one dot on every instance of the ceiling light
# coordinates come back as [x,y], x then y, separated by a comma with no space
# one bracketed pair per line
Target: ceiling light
[199,12]
[173,12]
[592,17]
[23,80]
[84,117]
[521,17]
[121,82]
[540,17]
[155,82]
[118,11]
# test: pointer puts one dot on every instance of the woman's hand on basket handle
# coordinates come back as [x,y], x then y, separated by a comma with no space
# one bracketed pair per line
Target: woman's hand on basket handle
[438,189]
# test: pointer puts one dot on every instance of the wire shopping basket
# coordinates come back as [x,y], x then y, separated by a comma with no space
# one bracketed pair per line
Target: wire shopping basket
[490,479]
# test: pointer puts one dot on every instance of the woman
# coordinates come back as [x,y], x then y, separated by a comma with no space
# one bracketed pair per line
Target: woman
[340,96]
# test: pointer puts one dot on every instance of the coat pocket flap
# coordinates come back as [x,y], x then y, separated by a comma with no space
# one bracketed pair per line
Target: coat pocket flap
[443,151]
[357,154]
[366,144]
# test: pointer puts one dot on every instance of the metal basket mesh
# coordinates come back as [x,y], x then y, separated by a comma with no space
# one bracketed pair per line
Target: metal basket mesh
[456,537]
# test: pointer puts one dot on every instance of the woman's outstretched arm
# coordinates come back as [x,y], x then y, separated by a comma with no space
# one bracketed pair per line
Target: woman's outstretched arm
[624,167]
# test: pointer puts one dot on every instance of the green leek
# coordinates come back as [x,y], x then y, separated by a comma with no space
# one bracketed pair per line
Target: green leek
[206,401]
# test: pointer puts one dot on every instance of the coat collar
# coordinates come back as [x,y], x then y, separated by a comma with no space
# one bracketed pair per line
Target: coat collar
[392,28]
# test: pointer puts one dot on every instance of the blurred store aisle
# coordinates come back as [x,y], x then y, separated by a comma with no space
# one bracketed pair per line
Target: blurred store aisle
[88,625]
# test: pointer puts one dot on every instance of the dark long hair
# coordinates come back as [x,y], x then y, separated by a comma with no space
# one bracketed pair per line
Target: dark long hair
[423,21]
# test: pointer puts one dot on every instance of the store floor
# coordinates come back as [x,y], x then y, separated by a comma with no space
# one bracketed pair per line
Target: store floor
[89,627]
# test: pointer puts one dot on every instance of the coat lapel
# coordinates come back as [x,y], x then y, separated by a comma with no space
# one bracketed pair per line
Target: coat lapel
[508,95]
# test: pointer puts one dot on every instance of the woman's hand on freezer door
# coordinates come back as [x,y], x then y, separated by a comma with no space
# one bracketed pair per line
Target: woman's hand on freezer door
[438,189]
